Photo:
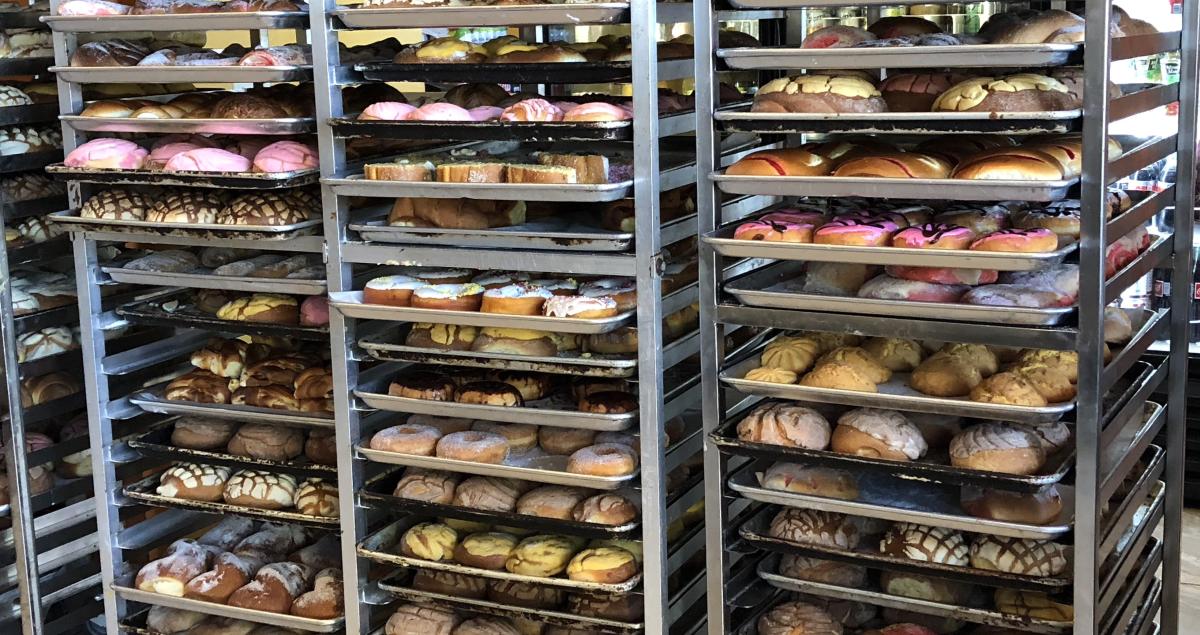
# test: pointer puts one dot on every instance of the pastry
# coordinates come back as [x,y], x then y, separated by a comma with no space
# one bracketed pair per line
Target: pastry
[605,509]
[896,165]
[784,162]
[1008,388]
[810,526]
[189,481]
[490,393]
[487,625]
[619,607]
[876,433]
[860,360]
[318,498]
[945,376]
[925,544]
[822,571]
[798,618]
[485,550]
[838,376]
[515,342]
[564,441]
[429,386]
[1033,604]
[407,438]
[795,354]
[274,588]
[264,308]
[608,402]
[168,575]
[1019,556]
[442,337]
[429,486]
[541,556]
[897,355]
[391,290]
[1041,508]
[267,442]
[488,493]
[781,423]
[551,501]
[998,447]
[812,480]
[604,459]
[606,565]
[261,490]
[324,601]
[819,93]
[919,587]
[429,541]
[1025,92]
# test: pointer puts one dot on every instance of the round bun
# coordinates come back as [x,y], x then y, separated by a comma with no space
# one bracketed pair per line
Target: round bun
[838,376]
[785,424]
[814,480]
[925,544]
[810,526]
[885,434]
[945,376]
[820,94]
[861,360]
[784,162]
[896,165]
[1041,508]
[605,565]
[564,441]
[605,509]
[1008,388]
[925,588]
[998,447]
[485,550]
[1021,557]
[823,571]
[524,594]
[798,618]
[551,501]
[1010,164]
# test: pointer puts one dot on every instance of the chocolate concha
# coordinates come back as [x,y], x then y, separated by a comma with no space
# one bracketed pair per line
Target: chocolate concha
[187,206]
[267,208]
[116,204]
[925,544]
[814,527]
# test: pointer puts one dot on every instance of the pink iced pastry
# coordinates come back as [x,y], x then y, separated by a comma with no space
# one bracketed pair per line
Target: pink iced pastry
[92,8]
[888,288]
[532,110]
[386,111]
[195,139]
[440,112]
[774,231]
[485,113]
[566,106]
[314,311]
[791,215]
[849,231]
[207,160]
[116,154]
[943,275]
[248,147]
[862,217]
[934,236]
[285,156]
[597,111]
[162,154]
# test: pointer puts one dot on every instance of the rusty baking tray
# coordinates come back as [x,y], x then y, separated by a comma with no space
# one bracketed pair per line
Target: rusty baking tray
[152,400]
[957,56]
[379,495]
[377,548]
[755,532]
[400,586]
[556,410]
[144,491]
[156,443]
[916,123]
[218,180]
[538,73]
[550,233]
[486,130]
[411,17]
[222,610]
[989,616]
[29,161]
[894,499]
[282,126]
[176,311]
[726,440]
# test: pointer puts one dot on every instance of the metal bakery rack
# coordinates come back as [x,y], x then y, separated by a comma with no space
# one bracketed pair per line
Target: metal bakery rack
[1121,486]
[129,419]
[49,569]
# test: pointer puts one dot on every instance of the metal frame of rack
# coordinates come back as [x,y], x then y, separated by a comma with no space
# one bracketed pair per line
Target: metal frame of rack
[50,529]
[1101,463]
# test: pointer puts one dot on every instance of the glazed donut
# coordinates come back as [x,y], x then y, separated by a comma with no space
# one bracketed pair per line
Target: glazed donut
[900,220]
[608,402]
[622,290]
[1018,240]
[774,231]
[448,297]
[603,459]
[934,236]
[580,306]
[473,445]
[408,438]
[515,299]
[854,231]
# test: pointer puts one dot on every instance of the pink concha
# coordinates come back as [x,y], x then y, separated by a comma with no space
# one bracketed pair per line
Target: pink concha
[943,275]
[115,154]
[386,111]
[485,113]
[285,156]
[208,160]
[160,156]
[440,112]
[597,111]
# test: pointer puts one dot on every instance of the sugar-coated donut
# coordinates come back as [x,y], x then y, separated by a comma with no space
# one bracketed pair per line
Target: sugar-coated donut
[407,438]
[1018,240]
[474,446]
[934,236]
[603,459]
[854,232]
[774,231]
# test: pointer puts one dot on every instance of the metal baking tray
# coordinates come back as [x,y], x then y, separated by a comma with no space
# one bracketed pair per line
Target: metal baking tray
[532,466]
[496,15]
[899,122]
[25,65]
[376,548]
[399,587]
[537,73]
[223,610]
[213,281]
[755,532]
[284,126]
[175,74]
[357,185]
[551,233]
[157,443]
[379,496]
[894,395]
[872,187]
[214,21]
[28,113]
[153,313]
[200,231]
[152,400]
[989,617]
[724,243]
[551,411]
[29,160]
[779,287]
[350,304]
[570,363]
[726,440]
[220,180]
[958,56]
[479,130]
[143,491]
[891,498]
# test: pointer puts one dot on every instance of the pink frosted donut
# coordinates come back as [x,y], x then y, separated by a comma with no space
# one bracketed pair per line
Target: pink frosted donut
[386,111]
[116,154]
[943,275]
[863,217]
[790,215]
[1018,240]
[934,236]
[849,231]
[162,154]
[247,147]
[207,160]
[774,231]
[899,219]
[285,156]
[194,139]
[485,113]
[440,112]
[597,111]
[532,110]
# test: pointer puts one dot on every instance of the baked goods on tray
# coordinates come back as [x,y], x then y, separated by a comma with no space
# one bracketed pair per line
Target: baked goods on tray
[129,53]
[528,168]
[196,155]
[234,372]
[102,8]
[266,209]
[254,489]
[510,50]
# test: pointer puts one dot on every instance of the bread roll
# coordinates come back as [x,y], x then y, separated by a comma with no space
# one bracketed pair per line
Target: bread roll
[996,446]
[896,165]
[820,94]
[1041,508]
[814,527]
[814,480]
[785,424]
[785,162]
